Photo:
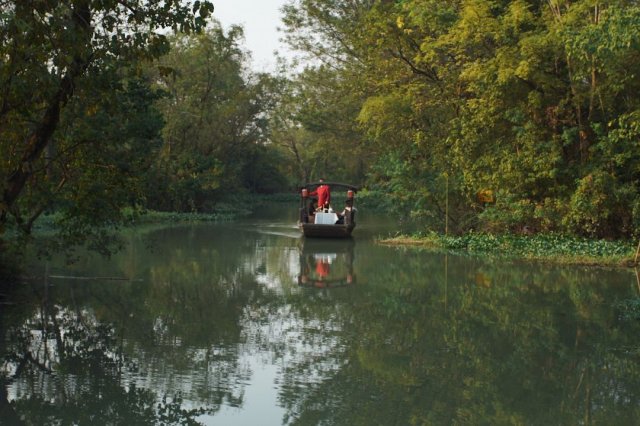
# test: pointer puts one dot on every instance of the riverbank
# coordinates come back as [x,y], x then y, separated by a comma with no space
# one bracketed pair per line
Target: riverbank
[232,208]
[157,217]
[550,248]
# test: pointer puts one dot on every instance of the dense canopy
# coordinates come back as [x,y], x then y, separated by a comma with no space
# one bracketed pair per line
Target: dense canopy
[533,102]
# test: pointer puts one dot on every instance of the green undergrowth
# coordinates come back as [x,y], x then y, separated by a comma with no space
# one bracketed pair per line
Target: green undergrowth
[131,217]
[134,218]
[554,248]
[232,208]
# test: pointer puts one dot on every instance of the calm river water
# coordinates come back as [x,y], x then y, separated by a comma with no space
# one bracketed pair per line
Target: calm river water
[247,323]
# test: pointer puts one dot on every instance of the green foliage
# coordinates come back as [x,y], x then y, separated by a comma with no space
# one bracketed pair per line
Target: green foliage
[597,207]
[549,246]
[535,101]
[98,164]
[76,122]
[215,128]
[223,212]
[314,126]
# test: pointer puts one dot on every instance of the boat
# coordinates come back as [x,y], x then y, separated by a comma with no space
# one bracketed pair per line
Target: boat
[326,223]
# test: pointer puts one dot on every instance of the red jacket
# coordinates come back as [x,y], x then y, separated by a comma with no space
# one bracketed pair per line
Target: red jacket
[324,195]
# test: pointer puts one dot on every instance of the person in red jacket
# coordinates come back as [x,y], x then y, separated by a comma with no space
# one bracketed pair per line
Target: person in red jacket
[324,195]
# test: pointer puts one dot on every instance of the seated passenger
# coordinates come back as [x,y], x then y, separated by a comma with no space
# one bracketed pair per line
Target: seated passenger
[346,216]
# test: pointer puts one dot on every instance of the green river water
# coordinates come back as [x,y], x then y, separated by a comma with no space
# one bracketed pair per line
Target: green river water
[247,323]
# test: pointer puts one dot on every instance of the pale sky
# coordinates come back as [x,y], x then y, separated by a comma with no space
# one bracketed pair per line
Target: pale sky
[260,18]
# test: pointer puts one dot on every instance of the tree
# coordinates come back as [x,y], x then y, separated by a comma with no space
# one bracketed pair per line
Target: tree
[314,124]
[216,121]
[52,49]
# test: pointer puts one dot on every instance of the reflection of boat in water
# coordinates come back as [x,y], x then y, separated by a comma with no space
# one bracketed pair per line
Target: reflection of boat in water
[326,263]
[324,222]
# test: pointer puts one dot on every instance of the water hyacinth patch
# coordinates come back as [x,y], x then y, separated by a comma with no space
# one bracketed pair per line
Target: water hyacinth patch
[557,248]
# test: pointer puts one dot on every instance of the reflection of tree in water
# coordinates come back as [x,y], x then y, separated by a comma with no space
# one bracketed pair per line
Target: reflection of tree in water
[65,366]
[305,346]
[69,362]
[424,340]
[150,351]
[417,345]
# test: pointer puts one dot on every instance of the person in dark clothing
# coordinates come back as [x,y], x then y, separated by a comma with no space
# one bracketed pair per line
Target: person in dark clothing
[346,214]
[311,213]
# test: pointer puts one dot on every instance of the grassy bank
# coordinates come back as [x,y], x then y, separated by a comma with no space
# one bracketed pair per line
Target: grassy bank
[551,248]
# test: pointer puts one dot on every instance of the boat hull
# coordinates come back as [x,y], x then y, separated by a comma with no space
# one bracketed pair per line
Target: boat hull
[326,231]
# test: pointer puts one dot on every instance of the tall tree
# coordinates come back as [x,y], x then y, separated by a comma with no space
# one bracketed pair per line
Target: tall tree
[216,121]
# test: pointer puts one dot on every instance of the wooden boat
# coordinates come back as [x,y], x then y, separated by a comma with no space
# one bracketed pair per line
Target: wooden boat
[326,223]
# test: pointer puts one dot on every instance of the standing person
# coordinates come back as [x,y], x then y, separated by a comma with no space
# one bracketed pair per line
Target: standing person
[324,195]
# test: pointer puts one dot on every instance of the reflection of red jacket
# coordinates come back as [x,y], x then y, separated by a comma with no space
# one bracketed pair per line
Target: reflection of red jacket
[322,268]
[324,195]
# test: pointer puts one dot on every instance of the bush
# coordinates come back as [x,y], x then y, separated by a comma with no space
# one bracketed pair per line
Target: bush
[600,208]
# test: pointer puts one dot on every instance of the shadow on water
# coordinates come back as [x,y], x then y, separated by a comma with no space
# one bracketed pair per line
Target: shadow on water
[248,323]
